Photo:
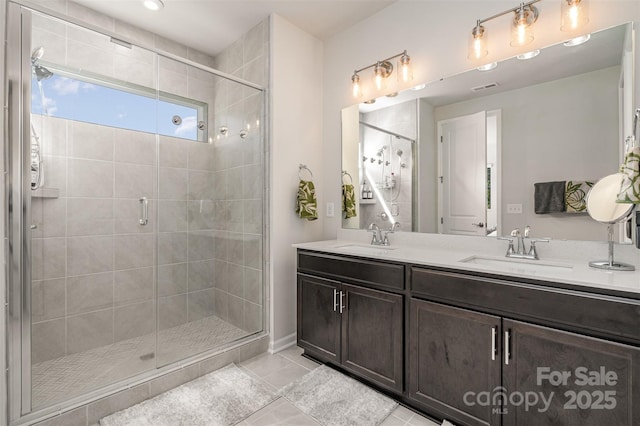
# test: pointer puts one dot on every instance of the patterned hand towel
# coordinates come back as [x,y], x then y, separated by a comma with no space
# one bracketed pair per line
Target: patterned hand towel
[630,187]
[575,196]
[306,203]
[348,201]
[548,197]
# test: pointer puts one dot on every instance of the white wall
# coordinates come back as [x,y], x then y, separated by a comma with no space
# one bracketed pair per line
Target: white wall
[427,168]
[573,139]
[296,137]
[435,33]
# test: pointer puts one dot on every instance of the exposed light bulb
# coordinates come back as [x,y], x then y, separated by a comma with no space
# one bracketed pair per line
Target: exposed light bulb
[378,79]
[405,75]
[355,85]
[478,43]
[521,33]
[574,15]
[522,25]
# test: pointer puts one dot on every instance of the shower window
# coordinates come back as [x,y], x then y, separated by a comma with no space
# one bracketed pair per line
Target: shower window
[117,104]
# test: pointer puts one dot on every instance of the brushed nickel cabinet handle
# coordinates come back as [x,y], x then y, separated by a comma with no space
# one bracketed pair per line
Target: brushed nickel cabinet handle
[507,342]
[341,301]
[335,300]
[494,350]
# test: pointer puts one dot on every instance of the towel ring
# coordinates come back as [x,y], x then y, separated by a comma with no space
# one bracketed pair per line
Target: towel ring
[346,173]
[304,167]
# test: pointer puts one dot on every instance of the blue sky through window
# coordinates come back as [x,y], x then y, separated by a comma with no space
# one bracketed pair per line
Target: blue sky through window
[73,99]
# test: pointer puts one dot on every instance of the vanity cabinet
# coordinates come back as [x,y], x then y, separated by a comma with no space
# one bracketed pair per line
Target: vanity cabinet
[474,348]
[346,323]
[452,352]
[587,381]
[487,367]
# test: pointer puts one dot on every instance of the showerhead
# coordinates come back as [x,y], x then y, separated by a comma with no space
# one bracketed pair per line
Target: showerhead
[399,153]
[37,54]
[41,72]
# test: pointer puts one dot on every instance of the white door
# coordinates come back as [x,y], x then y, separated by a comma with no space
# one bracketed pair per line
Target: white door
[463,170]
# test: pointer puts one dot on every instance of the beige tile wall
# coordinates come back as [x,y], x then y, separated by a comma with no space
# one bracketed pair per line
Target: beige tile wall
[92,262]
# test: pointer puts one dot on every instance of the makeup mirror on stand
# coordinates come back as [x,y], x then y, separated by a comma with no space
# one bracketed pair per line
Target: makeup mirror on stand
[602,207]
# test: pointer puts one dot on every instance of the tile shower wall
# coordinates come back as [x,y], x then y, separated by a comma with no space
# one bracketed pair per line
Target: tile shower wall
[93,262]
[401,119]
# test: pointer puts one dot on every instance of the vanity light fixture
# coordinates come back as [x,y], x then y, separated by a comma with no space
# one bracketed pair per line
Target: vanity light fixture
[355,85]
[381,71]
[528,55]
[154,5]
[488,67]
[575,15]
[577,41]
[524,17]
[522,25]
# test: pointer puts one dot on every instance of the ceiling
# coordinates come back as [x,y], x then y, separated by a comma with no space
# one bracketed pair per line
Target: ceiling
[212,25]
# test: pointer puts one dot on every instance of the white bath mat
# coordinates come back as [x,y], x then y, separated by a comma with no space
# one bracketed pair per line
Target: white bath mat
[222,398]
[334,399]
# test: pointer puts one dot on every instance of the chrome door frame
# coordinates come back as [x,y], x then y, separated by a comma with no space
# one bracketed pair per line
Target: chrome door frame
[18,189]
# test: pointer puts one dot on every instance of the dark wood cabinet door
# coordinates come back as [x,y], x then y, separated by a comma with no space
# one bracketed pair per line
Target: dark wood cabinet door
[588,381]
[454,360]
[318,317]
[372,335]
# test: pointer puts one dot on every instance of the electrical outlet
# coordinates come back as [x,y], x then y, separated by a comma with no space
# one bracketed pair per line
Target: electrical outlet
[514,208]
[330,210]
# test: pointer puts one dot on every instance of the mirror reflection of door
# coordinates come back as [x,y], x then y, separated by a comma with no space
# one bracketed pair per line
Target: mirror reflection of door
[469,171]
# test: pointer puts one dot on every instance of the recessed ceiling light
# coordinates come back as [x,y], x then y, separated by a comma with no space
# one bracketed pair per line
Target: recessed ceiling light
[488,67]
[528,55]
[577,41]
[419,86]
[370,101]
[153,4]
[392,95]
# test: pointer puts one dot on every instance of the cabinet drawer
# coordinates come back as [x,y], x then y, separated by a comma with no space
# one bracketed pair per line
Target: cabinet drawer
[605,316]
[366,272]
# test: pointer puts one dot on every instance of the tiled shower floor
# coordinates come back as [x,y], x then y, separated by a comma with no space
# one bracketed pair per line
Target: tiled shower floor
[75,374]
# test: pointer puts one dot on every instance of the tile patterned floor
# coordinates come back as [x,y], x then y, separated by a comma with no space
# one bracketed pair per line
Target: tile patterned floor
[287,366]
[78,373]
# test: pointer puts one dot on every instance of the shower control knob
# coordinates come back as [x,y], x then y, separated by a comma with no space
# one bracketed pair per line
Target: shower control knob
[34,226]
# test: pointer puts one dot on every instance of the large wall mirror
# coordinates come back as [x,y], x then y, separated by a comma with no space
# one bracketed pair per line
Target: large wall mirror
[464,154]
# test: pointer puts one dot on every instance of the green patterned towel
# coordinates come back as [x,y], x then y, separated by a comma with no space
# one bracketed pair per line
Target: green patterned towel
[306,204]
[630,187]
[348,201]
[575,196]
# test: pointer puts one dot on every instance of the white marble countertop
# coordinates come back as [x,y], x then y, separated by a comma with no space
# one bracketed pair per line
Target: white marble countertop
[572,269]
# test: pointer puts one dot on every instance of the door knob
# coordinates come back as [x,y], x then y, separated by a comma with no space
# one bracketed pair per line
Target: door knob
[479,225]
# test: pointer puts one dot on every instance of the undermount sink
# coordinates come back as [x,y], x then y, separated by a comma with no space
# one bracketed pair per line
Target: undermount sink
[364,248]
[520,266]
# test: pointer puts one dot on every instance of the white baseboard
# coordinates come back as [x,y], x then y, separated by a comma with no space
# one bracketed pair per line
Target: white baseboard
[282,343]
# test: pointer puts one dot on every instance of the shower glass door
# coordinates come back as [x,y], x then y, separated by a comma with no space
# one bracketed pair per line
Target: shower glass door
[93,192]
[139,238]
[210,211]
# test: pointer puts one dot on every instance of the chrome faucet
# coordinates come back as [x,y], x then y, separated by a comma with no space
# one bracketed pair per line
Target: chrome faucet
[381,237]
[521,251]
[376,238]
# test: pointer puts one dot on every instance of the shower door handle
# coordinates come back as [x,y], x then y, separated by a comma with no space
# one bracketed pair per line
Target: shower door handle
[144,211]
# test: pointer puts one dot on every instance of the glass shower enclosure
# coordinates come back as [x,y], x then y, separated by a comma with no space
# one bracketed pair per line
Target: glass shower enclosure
[135,211]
